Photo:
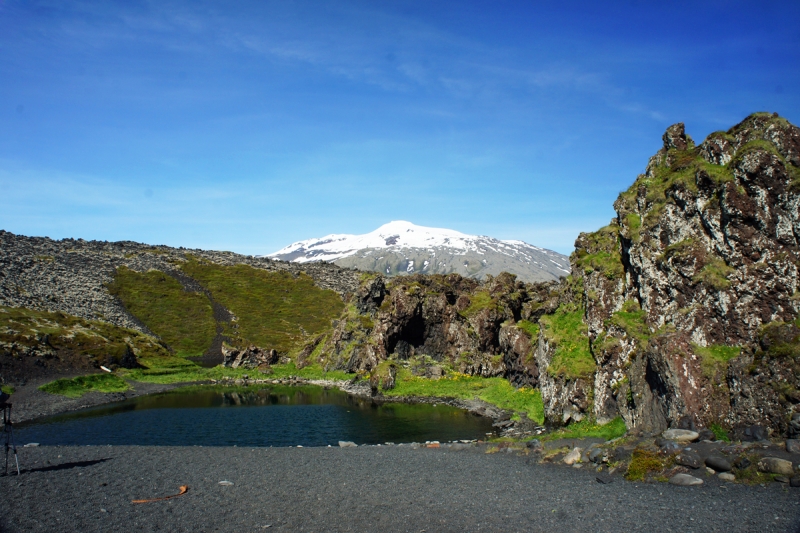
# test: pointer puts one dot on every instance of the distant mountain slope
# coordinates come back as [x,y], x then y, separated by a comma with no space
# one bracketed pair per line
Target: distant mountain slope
[401,247]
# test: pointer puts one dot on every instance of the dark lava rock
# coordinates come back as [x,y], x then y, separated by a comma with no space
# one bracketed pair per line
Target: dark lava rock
[690,459]
[752,433]
[707,434]
[742,463]
[534,444]
[668,446]
[720,464]
[793,445]
[596,455]
[794,482]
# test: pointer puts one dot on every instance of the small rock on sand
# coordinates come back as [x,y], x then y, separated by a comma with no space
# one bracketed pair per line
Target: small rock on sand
[685,480]
[573,456]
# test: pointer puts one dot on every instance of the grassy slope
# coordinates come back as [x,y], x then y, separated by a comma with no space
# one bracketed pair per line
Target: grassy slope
[77,387]
[184,320]
[275,310]
[572,357]
[27,327]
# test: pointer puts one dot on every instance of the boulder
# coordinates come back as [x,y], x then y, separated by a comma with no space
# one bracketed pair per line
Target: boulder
[681,435]
[793,445]
[573,456]
[689,458]
[775,465]
[718,463]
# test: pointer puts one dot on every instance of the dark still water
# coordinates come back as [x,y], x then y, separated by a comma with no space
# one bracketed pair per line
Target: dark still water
[253,416]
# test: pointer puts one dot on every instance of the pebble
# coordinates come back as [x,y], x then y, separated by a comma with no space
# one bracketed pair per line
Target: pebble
[685,480]
[681,435]
[775,465]
[726,476]
[711,471]
[226,483]
[782,479]
[347,444]
[720,464]
[31,445]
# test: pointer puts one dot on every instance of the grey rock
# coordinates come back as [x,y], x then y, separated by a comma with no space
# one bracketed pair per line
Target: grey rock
[597,455]
[685,480]
[681,435]
[707,434]
[726,476]
[573,456]
[690,459]
[775,465]
[533,444]
[719,464]
[793,445]
[782,479]
[351,444]
[794,482]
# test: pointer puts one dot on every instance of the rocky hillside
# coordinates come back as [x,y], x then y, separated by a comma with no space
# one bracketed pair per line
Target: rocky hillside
[681,312]
[401,247]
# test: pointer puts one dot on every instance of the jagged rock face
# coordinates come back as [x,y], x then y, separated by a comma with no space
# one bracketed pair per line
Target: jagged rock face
[702,254]
[250,357]
[471,326]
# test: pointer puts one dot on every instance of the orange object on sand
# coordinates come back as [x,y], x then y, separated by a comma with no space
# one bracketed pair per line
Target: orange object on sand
[184,489]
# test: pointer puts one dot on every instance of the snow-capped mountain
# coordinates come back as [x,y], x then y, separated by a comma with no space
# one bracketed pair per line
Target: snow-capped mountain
[401,247]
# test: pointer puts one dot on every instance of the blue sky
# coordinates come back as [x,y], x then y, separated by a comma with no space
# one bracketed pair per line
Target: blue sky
[247,125]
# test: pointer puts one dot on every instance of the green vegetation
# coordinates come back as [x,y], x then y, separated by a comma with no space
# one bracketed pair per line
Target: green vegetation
[275,310]
[572,358]
[601,252]
[715,274]
[478,302]
[77,387]
[588,428]
[719,432]
[8,389]
[530,328]
[184,320]
[631,319]
[714,359]
[634,223]
[24,328]
[496,391]
[644,462]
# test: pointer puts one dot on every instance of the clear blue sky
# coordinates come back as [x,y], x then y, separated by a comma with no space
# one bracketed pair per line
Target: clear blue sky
[247,125]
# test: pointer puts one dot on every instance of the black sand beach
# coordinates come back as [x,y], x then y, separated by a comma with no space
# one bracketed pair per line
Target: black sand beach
[386,488]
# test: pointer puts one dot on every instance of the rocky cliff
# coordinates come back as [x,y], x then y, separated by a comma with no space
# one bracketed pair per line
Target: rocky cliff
[681,312]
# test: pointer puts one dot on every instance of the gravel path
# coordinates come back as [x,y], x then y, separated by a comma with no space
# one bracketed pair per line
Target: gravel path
[364,489]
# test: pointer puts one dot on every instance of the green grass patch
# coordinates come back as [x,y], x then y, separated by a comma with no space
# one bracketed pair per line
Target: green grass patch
[719,432]
[644,462]
[588,428]
[275,310]
[530,328]
[631,319]
[566,330]
[714,358]
[77,387]
[601,252]
[8,389]
[184,320]
[715,274]
[496,391]
[478,302]
[25,328]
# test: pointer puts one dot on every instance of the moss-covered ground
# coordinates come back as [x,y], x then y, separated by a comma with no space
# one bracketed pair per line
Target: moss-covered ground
[184,320]
[496,391]
[77,387]
[60,331]
[588,428]
[275,310]
[714,359]
[572,358]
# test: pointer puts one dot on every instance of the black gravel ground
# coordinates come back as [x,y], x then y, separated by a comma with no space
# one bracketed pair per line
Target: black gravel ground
[387,488]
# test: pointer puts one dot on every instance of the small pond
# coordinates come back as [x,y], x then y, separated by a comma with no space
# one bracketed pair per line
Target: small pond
[253,416]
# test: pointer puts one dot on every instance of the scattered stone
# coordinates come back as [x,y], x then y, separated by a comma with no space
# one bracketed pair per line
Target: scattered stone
[434,445]
[711,471]
[775,465]
[534,444]
[726,476]
[751,433]
[794,482]
[681,435]
[596,455]
[782,479]
[668,446]
[351,444]
[707,434]
[690,459]
[573,456]
[685,480]
[793,445]
[603,480]
[720,464]
[742,463]
[226,483]
[31,445]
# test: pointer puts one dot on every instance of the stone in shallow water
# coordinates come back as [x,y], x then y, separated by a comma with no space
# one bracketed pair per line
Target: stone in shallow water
[681,435]
[719,464]
[775,465]
[685,480]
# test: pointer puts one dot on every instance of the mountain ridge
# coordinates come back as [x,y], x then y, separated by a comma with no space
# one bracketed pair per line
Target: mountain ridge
[400,247]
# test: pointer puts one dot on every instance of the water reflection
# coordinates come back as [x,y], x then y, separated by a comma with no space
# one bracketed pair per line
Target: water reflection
[254,416]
